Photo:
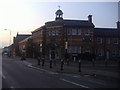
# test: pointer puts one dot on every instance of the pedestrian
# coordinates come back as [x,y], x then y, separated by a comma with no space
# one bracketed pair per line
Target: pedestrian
[22,57]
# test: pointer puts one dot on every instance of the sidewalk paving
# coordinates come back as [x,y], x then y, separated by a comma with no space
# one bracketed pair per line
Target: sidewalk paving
[111,72]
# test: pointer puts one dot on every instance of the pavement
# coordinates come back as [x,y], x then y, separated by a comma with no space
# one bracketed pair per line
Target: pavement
[99,70]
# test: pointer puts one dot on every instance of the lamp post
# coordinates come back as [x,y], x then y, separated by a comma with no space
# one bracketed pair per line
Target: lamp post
[41,54]
[10,36]
[9,42]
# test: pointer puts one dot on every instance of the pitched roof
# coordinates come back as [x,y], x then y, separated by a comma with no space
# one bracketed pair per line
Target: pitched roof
[38,29]
[70,23]
[106,32]
[20,37]
[26,39]
[81,23]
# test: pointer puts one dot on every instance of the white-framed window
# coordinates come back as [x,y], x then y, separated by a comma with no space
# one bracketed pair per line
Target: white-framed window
[114,52]
[118,53]
[74,49]
[99,40]
[57,32]
[100,52]
[115,40]
[74,31]
[69,31]
[50,33]
[79,31]
[79,49]
[53,32]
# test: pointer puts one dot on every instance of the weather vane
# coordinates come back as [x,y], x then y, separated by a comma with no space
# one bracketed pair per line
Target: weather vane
[59,6]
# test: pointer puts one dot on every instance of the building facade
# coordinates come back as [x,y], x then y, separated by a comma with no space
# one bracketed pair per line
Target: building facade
[72,37]
[16,40]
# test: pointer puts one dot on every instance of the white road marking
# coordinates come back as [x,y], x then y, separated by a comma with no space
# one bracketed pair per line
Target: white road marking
[42,69]
[52,72]
[76,76]
[75,83]
[13,88]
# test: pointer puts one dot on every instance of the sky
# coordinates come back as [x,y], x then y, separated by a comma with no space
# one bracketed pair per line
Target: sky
[24,16]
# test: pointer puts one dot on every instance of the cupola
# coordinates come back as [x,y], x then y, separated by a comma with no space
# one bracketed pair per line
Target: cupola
[59,15]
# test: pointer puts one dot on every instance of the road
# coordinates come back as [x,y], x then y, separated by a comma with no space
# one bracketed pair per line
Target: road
[17,74]
[0,68]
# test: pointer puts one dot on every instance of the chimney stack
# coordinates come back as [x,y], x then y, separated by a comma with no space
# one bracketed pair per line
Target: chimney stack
[118,25]
[90,18]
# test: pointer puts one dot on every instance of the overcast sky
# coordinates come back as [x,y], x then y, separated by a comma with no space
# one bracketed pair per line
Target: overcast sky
[24,16]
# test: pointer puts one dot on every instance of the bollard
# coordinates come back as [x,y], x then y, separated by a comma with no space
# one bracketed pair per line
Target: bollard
[79,65]
[54,62]
[67,62]
[106,62]
[93,62]
[42,61]
[62,65]
[38,59]
[50,63]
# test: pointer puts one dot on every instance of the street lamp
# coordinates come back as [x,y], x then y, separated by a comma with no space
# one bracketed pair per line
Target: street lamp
[10,36]
[9,42]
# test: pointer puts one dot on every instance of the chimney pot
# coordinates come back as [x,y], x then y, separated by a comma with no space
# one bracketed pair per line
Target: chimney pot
[90,18]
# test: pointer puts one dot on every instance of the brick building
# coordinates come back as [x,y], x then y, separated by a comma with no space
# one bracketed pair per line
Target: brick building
[25,47]
[38,41]
[69,36]
[63,36]
[16,40]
